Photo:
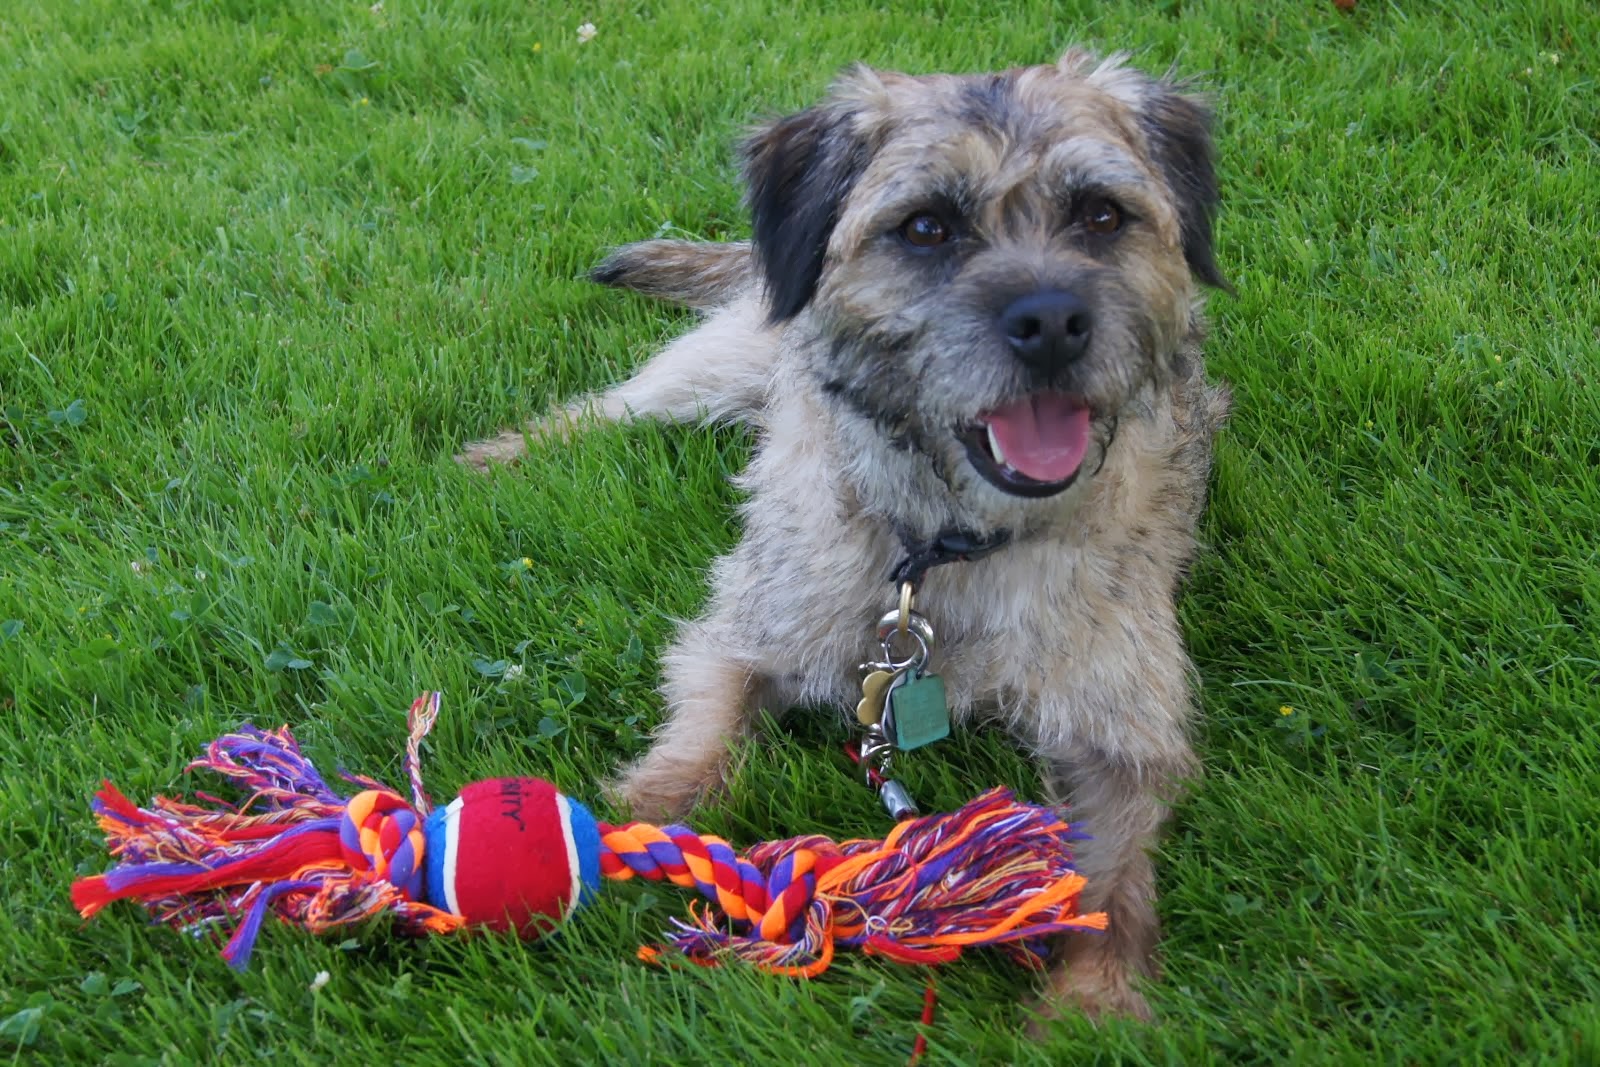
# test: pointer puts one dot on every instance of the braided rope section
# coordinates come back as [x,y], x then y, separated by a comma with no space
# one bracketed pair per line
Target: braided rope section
[293,847]
[996,872]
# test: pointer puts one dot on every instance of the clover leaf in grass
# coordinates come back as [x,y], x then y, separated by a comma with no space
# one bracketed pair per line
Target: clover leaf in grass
[281,659]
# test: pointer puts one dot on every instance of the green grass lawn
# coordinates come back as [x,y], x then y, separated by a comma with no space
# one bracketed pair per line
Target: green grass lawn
[265,266]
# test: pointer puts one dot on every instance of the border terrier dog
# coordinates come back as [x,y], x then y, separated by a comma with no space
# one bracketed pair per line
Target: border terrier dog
[967,328]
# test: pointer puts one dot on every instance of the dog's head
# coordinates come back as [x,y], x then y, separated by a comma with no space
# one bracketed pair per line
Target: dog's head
[997,266]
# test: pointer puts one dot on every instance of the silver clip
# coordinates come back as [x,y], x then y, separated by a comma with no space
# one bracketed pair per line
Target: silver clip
[876,752]
[896,801]
[917,628]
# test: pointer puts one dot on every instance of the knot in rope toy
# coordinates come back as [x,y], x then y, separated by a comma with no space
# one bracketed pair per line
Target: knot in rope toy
[382,836]
[515,854]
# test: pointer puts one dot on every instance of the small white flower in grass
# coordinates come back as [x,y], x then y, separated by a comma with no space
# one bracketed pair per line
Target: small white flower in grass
[139,566]
[319,981]
[513,673]
[376,9]
[586,33]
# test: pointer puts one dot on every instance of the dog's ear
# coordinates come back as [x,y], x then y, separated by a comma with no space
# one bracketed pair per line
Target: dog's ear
[1179,128]
[798,171]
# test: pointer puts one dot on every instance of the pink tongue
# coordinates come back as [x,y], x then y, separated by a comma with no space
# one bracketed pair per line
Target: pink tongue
[1043,436]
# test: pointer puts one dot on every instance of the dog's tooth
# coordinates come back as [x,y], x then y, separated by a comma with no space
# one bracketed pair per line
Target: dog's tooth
[994,446]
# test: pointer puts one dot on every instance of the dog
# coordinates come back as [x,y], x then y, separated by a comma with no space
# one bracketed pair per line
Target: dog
[966,332]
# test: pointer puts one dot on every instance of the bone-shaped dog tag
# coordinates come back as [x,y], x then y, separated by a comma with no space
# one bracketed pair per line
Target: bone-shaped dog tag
[916,713]
[874,687]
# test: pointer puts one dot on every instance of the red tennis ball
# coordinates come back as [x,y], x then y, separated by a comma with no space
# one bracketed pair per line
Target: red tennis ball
[512,854]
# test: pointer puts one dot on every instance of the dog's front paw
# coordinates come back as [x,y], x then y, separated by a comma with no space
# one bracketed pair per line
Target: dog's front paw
[1088,987]
[650,794]
[503,449]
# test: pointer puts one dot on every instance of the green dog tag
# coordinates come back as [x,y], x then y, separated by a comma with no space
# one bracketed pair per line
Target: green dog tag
[916,714]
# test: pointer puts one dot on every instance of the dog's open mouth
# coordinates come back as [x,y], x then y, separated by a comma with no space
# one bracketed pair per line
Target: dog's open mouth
[1033,447]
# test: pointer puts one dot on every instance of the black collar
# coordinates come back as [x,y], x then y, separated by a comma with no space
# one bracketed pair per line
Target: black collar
[948,546]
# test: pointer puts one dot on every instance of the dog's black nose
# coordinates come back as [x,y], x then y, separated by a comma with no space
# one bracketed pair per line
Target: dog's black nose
[1048,329]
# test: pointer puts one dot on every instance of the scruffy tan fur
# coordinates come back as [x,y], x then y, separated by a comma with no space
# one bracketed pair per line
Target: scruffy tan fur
[855,359]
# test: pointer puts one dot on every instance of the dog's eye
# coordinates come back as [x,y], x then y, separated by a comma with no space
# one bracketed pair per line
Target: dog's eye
[1101,216]
[924,231]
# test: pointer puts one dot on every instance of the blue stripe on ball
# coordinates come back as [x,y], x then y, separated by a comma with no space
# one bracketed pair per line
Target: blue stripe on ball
[586,843]
[439,833]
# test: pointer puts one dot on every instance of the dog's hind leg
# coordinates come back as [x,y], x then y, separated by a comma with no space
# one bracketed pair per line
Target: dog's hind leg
[719,373]
[692,273]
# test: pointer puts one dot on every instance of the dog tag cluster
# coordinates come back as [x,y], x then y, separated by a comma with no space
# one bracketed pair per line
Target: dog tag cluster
[908,705]
[902,704]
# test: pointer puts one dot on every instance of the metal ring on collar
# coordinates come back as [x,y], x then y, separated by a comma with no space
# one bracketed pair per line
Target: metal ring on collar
[889,627]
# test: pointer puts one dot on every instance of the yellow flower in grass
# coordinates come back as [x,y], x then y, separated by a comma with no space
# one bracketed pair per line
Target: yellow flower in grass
[1284,709]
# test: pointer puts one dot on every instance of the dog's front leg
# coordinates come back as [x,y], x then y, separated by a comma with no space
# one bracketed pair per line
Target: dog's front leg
[1123,805]
[1126,761]
[712,697]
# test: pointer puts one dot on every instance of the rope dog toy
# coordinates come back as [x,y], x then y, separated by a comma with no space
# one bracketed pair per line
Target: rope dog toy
[513,854]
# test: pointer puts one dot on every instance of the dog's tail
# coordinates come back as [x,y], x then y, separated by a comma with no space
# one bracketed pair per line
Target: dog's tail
[696,274]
